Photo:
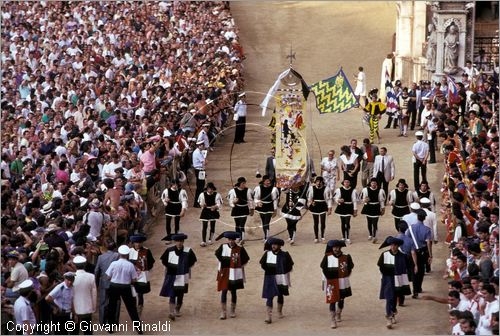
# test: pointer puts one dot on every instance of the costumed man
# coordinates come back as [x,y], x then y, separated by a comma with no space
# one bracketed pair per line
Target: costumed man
[337,268]
[392,265]
[400,200]
[294,202]
[230,273]
[211,202]
[374,207]
[241,202]
[240,116]
[176,203]
[266,202]
[277,265]
[424,191]
[178,260]
[319,199]
[346,198]
[143,260]
[374,109]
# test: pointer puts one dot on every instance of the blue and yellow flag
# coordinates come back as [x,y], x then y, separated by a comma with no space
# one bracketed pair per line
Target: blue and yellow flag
[335,94]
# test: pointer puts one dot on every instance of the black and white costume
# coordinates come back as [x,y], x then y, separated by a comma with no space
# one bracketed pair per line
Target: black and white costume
[319,200]
[174,200]
[210,204]
[400,201]
[240,208]
[294,202]
[346,209]
[266,203]
[374,200]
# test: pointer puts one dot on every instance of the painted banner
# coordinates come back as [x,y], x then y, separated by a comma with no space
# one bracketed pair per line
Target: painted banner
[291,147]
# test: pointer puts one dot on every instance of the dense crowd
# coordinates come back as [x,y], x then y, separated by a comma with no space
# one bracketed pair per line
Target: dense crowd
[97,99]
[467,127]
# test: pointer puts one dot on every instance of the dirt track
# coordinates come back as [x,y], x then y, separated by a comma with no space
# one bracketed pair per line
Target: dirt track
[324,36]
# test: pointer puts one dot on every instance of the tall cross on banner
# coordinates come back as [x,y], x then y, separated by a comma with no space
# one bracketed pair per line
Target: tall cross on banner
[291,56]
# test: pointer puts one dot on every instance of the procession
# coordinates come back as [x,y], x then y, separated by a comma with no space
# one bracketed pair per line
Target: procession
[162,174]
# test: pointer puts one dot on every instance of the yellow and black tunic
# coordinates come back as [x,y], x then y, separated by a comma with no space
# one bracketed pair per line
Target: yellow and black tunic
[374,109]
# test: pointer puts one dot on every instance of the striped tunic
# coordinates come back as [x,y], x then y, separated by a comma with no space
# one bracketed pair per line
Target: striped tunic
[394,275]
[231,273]
[336,272]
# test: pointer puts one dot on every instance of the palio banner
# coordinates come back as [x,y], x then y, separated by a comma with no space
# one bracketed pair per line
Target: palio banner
[290,139]
[335,94]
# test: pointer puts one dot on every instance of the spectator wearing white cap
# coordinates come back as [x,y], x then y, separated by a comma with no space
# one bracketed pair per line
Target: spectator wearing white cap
[420,151]
[122,274]
[23,312]
[85,293]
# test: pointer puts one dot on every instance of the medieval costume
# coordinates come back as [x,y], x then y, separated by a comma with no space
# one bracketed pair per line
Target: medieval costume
[211,202]
[266,202]
[277,265]
[346,198]
[337,268]
[230,274]
[241,202]
[392,265]
[176,202]
[294,202]
[178,261]
[374,109]
[374,199]
[319,199]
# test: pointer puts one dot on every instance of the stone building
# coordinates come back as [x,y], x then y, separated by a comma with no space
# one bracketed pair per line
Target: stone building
[436,38]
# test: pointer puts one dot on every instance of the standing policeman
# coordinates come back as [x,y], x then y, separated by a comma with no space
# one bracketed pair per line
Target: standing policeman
[422,241]
[123,275]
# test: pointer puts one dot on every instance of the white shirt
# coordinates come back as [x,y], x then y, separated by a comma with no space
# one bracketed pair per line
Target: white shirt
[23,311]
[85,293]
[109,168]
[198,159]
[430,221]
[360,84]
[329,167]
[122,272]
[241,108]
[484,325]
[202,136]
[420,149]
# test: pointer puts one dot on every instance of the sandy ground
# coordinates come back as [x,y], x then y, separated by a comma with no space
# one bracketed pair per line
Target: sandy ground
[324,36]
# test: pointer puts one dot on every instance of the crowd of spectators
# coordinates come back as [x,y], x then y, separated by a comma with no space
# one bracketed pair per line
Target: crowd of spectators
[97,98]
[468,128]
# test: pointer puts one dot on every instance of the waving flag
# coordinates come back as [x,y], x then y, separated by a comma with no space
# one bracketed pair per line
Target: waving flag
[453,97]
[335,94]
[392,103]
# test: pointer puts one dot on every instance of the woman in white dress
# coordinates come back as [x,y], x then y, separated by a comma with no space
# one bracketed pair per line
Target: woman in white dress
[360,90]
[330,170]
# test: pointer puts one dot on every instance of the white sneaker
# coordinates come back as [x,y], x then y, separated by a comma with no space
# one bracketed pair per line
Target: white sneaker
[374,240]
[370,237]
[203,244]
[292,242]
[289,239]
[210,242]
[348,241]
[323,240]
[315,241]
